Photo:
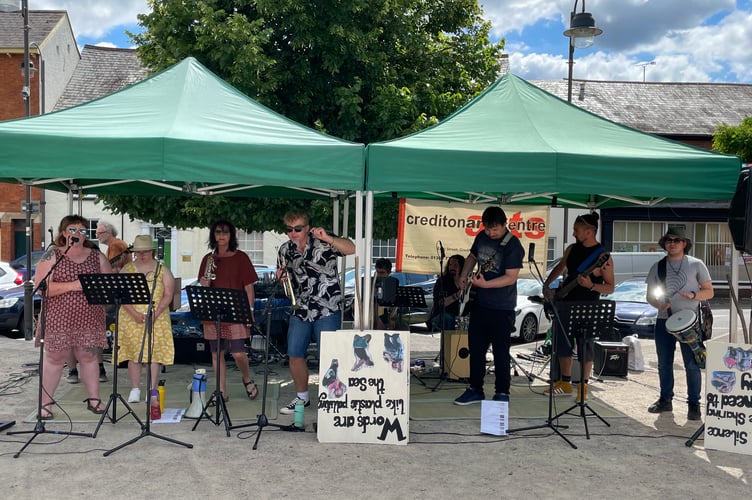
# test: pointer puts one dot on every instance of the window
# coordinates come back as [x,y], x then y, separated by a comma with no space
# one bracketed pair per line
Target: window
[385,248]
[551,249]
[252,244]
[631,236]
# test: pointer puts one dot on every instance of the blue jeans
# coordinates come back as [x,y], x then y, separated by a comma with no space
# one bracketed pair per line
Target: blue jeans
[301,333]
[494,327]
[665,346]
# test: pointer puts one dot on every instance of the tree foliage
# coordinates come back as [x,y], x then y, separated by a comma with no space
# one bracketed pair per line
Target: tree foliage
[735,140]
[361,70]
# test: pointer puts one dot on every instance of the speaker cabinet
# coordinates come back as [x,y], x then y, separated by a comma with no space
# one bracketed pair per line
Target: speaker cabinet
[740,213]
[610,358]
[456,355]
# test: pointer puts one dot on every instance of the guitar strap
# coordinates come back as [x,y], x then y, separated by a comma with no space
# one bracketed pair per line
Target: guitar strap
[590,259]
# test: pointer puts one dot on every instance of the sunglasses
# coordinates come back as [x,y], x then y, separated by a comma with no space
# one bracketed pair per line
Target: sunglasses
[221,231]
[297,229]
[80,230]
[674,240]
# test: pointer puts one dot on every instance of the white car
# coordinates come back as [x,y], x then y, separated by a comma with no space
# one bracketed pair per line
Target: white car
[9,277]
[531,320]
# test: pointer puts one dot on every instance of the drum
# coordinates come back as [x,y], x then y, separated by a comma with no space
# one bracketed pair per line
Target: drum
[684,326]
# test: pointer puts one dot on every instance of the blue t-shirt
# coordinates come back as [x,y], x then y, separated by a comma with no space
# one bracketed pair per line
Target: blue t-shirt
[493,261]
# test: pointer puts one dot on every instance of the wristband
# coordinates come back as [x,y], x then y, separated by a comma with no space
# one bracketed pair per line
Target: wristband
[694,295]
[252,309]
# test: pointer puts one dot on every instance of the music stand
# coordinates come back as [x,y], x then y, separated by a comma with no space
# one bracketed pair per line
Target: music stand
[115,289]
[227,305]
[586,321]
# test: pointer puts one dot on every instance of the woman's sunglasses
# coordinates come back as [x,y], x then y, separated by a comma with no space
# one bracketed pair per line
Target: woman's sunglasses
[80,230]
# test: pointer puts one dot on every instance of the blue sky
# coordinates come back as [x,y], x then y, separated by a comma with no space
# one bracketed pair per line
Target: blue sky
[689,40]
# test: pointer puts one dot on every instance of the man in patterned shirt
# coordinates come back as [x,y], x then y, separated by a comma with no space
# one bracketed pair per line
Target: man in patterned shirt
[310,263]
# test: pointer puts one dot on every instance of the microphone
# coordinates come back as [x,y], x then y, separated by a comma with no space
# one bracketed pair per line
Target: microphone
[160,248]
[75,239]
[441,251]
[531,252]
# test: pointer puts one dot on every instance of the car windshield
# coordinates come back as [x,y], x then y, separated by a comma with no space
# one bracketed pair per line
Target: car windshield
[528,287]
[629,291]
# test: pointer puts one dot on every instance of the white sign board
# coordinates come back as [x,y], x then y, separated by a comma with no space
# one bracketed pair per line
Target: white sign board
[364,387]
[728,424]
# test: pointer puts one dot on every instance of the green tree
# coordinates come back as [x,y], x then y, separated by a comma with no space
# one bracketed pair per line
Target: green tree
[361,70]
[735,140]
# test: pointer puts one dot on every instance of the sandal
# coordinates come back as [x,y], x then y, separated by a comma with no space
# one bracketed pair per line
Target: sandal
[46,413]
[94,408]
[253,393]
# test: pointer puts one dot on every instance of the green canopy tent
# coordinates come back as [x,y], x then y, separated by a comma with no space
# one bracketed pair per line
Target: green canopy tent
[516,143]
[183,130]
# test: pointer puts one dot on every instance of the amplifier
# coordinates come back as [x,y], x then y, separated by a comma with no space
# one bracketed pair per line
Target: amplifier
[610,358]
[191,350]
[456,355]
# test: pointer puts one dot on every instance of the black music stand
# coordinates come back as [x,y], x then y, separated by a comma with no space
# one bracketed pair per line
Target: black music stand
[115,289]
[227,305]
[586,321]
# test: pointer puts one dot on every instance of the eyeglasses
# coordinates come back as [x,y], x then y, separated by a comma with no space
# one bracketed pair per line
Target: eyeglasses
[101,232]
[674,240]
[221,231]
[297,229]
[81,230]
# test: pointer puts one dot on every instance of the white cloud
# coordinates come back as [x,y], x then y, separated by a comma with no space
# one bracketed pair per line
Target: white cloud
[95,18]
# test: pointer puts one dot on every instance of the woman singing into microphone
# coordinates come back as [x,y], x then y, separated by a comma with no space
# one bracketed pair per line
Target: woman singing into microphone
[71,324]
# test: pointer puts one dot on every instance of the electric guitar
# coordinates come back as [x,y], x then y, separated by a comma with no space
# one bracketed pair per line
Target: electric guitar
[465,295]
[116,258]
[599,262]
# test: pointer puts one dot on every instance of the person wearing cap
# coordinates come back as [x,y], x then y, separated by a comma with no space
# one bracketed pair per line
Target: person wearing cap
[499,255]
[577,259]
[132,319]
[687,282]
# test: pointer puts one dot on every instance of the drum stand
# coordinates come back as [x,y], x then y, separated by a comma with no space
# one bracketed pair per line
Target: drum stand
[115,289]
[219,304]
[39,427]
[148,340]
[586,320]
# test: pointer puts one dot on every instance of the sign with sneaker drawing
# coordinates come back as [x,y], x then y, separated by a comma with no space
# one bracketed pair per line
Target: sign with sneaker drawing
[728,423]
[364,387]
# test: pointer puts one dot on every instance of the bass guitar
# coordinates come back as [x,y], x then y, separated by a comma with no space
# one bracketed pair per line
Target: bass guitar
[599,262]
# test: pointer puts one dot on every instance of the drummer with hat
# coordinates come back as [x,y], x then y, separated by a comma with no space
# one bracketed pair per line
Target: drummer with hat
[684,283]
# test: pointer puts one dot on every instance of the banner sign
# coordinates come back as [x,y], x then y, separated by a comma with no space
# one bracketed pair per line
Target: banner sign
[364,387]
[423,223]
[728,424]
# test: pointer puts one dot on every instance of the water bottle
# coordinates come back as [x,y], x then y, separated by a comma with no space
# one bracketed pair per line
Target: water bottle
[154,412]
[300,415]
[161,391]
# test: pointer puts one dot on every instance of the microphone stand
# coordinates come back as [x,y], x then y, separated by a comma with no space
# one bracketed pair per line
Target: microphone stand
[442,311]
[149,340]
[558,330]
[39,427]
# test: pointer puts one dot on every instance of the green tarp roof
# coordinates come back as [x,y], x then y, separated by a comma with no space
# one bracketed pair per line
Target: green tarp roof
[181,130]
[519,144]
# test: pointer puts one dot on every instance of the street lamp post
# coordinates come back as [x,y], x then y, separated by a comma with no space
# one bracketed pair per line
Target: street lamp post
[581,33]
[7,6]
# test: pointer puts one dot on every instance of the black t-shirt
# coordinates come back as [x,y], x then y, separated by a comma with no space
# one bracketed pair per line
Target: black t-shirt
[577,255]
[494,260]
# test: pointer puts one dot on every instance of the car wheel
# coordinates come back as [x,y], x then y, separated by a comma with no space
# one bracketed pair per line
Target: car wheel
[529,328]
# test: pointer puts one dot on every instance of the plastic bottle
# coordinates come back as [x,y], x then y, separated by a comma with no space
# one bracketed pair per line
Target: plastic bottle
[154,412]
[300,415]
[161,391]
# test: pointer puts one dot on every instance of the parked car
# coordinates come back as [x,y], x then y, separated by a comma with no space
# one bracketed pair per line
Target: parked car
[9,277]
[12,310]
[19,264]
[531,319]
[633,313]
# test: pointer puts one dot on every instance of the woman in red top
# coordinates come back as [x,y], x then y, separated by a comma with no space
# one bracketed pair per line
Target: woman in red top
[227,267]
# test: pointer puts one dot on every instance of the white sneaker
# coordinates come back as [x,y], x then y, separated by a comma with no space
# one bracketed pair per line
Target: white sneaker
[135,395]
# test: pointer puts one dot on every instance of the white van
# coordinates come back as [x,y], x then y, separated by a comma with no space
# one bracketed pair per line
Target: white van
[634,264]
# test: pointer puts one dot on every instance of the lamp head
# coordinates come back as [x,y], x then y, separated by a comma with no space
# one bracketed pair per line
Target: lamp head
[582,30]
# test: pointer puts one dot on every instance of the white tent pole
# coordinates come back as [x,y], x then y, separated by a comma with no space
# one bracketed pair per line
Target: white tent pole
[367,258]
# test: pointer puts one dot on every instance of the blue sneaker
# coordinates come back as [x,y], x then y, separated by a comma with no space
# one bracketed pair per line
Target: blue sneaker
[500,396]
[469,397]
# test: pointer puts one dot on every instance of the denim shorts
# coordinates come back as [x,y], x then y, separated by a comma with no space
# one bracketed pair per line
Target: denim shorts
[301,333]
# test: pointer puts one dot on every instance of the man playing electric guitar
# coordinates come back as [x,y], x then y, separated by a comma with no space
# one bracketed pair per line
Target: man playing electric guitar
[590,273]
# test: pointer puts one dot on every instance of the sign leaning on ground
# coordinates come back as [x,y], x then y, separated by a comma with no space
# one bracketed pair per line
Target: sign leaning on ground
[364,387]
[728,424]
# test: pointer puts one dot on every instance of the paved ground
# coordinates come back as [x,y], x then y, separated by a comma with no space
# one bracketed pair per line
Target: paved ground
[639,456]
